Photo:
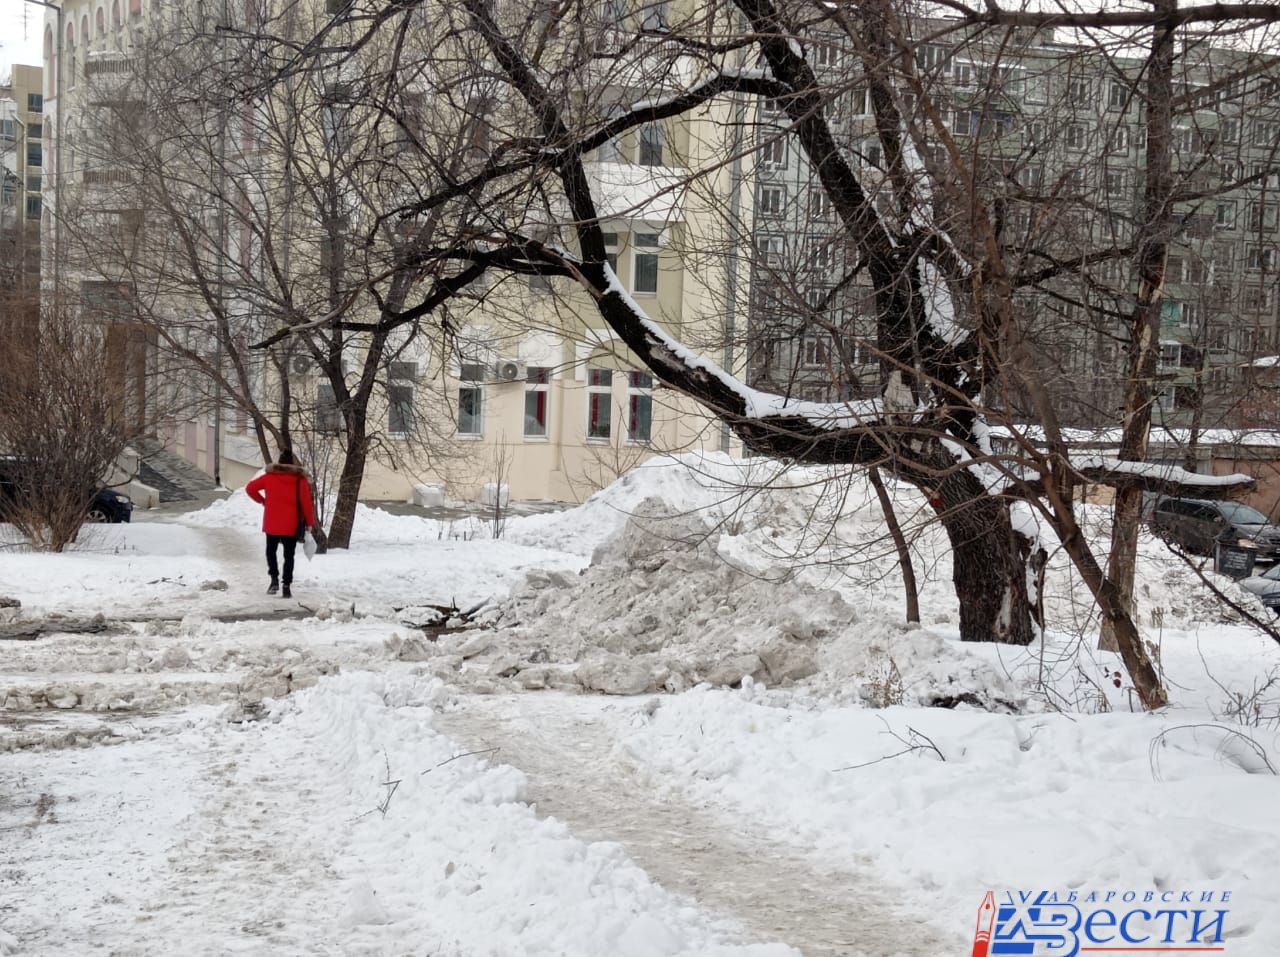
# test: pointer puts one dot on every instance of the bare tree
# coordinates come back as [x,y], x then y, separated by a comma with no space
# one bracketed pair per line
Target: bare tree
[61,433]
[921,208]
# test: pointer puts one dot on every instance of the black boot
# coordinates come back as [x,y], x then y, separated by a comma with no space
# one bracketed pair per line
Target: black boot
[285,593]
[275,586]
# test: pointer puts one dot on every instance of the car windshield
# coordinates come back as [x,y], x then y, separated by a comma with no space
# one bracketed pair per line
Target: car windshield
[1272,573]
[1242,514]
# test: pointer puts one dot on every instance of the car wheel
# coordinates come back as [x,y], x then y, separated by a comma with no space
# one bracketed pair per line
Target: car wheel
[98,515]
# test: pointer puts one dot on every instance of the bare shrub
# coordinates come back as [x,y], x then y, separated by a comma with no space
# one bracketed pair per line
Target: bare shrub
[60,430]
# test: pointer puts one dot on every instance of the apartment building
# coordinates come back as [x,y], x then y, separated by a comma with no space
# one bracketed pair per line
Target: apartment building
[22,156]
[530,390]
[1053,134]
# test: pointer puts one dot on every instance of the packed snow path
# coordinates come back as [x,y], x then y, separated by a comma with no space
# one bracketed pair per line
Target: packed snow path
[574,776]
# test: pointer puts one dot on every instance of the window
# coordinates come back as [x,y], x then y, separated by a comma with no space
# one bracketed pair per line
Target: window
[35,153]
[1117,95]
[1170,355]
[471,399]
[1260,257]
[771,200]
[1075,136]
[400,409]
[930,57]
[639,406]
[773,154]
[1265,133]
[819,203]
[1266,175]
[1225,217]
[1076,180]
[819,254]
[35,131]
[599,403]
[1263,216]
[1229,130]
[1079,91]
[35,103]
[537,388]
[1119,140]
[33,207]
[651,139]
[815,351]
[611,250]
[769,251]
[962,72]
[654,15]
[826,55]
[328,419]
[1117,182]
[1036,90]
[645,263]
[33,182]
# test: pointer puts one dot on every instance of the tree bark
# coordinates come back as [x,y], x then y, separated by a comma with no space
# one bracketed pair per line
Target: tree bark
[344,510]
[989,568]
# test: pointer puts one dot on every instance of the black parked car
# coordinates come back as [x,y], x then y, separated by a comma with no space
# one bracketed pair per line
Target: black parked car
[1197,525]
[108,505]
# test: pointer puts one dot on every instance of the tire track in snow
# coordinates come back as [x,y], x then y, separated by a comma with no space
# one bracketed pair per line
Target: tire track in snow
[770,889]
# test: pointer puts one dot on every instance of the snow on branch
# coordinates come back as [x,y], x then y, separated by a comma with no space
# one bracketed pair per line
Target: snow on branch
[1164,479]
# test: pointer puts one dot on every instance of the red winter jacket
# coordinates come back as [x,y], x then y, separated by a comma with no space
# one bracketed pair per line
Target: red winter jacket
[279,490]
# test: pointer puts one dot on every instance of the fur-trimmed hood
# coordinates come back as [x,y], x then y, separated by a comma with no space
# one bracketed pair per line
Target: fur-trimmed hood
[275,468]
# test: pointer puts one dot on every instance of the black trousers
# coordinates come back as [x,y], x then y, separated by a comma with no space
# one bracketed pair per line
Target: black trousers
[290,546]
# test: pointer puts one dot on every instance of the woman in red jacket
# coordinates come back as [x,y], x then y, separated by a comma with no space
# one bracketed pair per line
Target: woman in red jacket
[285,494]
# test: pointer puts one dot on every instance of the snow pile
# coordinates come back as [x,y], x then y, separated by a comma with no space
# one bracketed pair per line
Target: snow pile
[372,525]
[660,608]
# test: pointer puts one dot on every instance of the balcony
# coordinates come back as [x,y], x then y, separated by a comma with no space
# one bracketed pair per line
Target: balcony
[108,75]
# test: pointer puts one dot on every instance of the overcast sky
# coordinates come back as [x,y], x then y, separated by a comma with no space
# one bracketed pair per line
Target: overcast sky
[20,40]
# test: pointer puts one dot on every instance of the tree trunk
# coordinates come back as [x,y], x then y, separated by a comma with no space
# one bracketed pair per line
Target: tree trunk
[900,544]
[1154,233]
[989,565]
[1117,616]
[344,511]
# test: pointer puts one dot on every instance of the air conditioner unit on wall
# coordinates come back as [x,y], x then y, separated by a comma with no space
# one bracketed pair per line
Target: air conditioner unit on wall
[510,370]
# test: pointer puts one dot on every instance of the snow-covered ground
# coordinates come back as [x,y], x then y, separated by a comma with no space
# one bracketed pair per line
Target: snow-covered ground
[789,767]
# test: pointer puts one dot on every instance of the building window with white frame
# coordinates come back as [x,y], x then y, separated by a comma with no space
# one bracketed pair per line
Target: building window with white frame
[773,153]
[639,407]
[599,403]
[1076,136]
[537,397]
[644,277]
[611,250]
[471,399]
[1225,216]
[771,200]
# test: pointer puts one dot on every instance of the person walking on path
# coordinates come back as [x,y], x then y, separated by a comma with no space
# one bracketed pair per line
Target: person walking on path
[285,494]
